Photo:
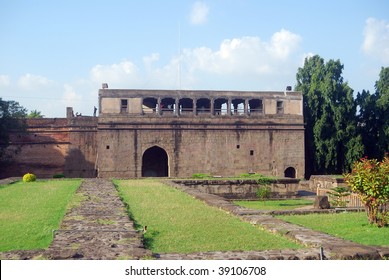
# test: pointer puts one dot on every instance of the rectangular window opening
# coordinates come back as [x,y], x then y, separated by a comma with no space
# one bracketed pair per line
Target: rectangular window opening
[251,152]
[280,107]
[107,147]
[238,146]
[123,106]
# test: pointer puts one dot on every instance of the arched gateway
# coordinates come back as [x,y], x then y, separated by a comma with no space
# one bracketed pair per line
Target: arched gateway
[155,163]
[177,133]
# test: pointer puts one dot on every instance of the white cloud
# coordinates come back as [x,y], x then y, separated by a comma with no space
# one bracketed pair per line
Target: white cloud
[32,82]
[124,74]
[376,39]
[245,55]
[70,98]
[283,43]
[239,63]
[4,80]
[148,60]
[199,13]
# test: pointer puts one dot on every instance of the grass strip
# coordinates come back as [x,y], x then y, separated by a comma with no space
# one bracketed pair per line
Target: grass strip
[288,204]
[30,211]
[179,223]
[350,226]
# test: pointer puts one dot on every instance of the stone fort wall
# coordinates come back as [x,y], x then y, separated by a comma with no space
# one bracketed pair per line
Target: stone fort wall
[141,133]
[54,146]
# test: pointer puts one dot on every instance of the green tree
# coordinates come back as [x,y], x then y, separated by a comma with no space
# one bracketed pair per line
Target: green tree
[12,118]
[331,140]
[373,117]
[35,114]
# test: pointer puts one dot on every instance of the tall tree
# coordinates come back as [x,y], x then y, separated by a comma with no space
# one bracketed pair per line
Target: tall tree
[34,114]
[382,92]
[331,140]
[373,117]
[12,117]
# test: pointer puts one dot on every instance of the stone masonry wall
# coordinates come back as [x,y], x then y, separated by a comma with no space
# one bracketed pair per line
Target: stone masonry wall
[200,148]
[242,189]
[54,146]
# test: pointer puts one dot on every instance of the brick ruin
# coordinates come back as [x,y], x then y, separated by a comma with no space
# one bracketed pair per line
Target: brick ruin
[168,133]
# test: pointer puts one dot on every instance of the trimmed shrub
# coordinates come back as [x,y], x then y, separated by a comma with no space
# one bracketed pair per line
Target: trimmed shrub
[57,176]
[29,177]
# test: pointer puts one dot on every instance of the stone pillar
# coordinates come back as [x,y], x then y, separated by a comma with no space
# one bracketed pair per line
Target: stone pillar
[69,112]
[159,112]
[229,107]
[194,106]
[246,107]
[212,106]
[177,109]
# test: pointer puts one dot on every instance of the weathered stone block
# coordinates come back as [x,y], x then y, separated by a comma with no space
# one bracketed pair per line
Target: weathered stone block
[321,202]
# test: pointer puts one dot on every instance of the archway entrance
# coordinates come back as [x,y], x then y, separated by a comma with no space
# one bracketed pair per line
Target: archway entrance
[290,172]
[155,163]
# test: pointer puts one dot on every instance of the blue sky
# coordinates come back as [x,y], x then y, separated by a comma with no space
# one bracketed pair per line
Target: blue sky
[55,54]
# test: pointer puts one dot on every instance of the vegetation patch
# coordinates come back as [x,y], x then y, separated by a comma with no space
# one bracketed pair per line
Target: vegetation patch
[30,211]
[105,222]
[288,204]
[178,223]
[350,226]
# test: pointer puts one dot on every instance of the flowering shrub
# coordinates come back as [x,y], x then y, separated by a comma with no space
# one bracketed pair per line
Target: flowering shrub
[29,177]
[369,178]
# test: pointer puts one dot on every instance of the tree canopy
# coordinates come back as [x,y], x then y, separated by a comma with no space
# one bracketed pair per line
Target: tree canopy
[35,114]
[373,117]
[12,117]
[331,140]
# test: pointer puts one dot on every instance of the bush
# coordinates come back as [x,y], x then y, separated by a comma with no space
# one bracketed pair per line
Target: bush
[369,178]
[264,192]
[337,195]
[29,177]
[57,176]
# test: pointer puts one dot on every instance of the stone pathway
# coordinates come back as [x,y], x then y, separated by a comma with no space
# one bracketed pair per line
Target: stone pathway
[98,229]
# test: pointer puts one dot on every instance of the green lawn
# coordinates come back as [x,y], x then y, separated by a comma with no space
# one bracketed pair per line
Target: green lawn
[30,211]
[350,226]
[288,204]
[179,223]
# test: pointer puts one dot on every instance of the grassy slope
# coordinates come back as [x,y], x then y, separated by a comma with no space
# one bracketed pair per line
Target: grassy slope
[351,226]
[178,223]
[275,204]
[30,211]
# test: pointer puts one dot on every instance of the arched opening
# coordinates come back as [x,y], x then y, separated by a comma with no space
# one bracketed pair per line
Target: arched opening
[255,106]
[290,172]
[185,106]
[168,105]
[203,105]
[155,163]
[149,105]
[237,107]
[220,106]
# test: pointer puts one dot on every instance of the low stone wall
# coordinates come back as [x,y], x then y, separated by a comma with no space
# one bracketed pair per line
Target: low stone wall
[242,189]
[325,182]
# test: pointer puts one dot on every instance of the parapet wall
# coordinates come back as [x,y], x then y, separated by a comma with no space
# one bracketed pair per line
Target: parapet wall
[242,189]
